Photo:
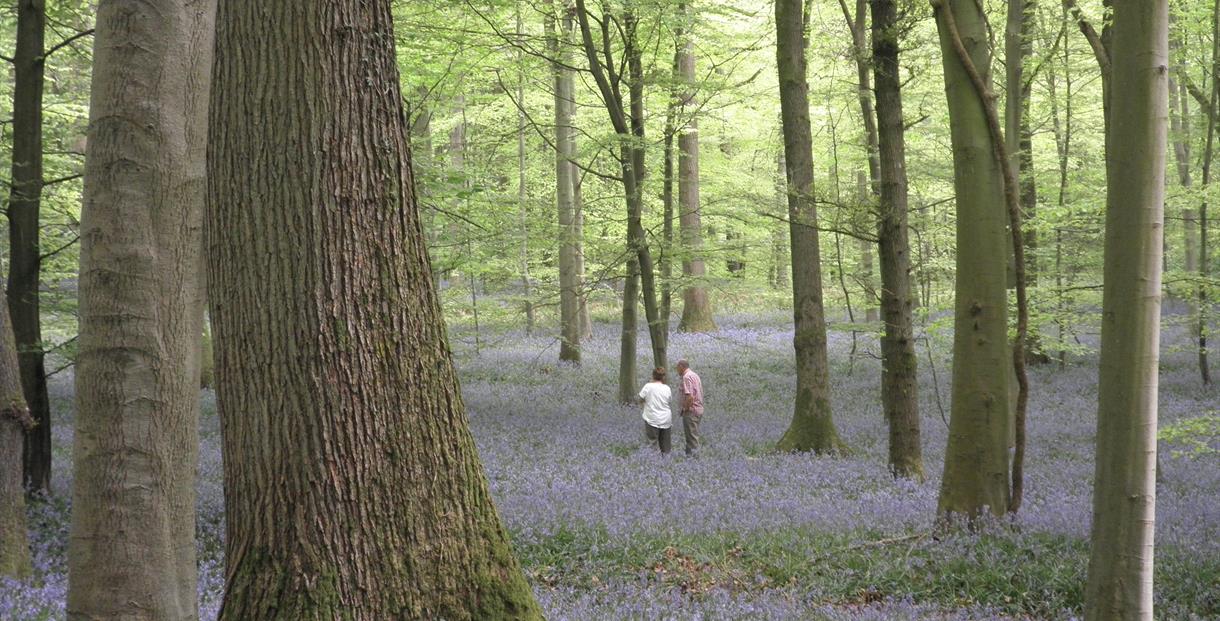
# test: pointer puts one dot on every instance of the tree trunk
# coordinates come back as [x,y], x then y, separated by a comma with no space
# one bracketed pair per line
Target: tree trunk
[976,458]
[812,427]
[565,173]
[578,217]
[864,267]
[858,26]
[899,382]
[423,159]
[207,368]
[1018,45]
[1124,490]
[1063,149]
[696,306]
[15,421]
[1201,305]
[1179,125]
[25,263]
[668,182]
[141,314]
[779,233]
[352,485]
[637,150]
[627,118]
[522,194]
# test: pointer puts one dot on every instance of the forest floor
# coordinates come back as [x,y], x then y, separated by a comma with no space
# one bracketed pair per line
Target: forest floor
[606,528]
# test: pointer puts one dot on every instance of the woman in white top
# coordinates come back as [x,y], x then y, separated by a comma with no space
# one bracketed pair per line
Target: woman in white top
[657,417]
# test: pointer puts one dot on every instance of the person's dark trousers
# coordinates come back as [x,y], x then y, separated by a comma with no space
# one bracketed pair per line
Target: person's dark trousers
[690,429]
[661,436]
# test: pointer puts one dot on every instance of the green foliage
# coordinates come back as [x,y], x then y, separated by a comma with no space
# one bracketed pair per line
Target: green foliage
[1036,576]
[1194,437]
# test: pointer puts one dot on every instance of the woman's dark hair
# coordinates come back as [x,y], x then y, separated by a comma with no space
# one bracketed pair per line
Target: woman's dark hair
[658,374]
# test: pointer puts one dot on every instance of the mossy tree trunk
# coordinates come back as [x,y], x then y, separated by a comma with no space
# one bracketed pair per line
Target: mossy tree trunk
[976,458]
[131,553]
[1124,488]
[352,485]
[899,382]
[14,422]
[812,427]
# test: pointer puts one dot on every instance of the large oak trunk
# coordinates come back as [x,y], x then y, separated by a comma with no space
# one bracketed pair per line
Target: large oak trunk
[132,547]
[352,485]
[14,421]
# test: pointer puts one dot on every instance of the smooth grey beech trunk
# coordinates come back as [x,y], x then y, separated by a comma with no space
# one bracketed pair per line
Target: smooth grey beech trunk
[976,457]
[131,553]
[1124,489]
[353,488]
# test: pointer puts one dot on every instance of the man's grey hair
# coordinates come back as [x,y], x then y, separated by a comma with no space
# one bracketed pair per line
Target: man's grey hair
[683,363]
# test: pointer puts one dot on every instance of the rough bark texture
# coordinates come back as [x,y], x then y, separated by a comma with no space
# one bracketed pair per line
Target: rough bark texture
[14,422]
[812,427]
[899,385]
[696,306]
[131,552]
[25,263]
[565,178]
[1124,489]
[976,458]
[352,485]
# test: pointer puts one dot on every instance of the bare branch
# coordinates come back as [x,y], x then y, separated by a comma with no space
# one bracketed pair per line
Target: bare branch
[66,42]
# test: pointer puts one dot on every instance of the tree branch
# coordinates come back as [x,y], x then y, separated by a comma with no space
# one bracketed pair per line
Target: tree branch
[1199,96]
[61,179]
[1095,42]
[550,143]
[60,249]
[66,43]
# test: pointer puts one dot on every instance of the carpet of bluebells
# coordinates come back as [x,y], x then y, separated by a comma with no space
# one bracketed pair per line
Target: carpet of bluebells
[609,529]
